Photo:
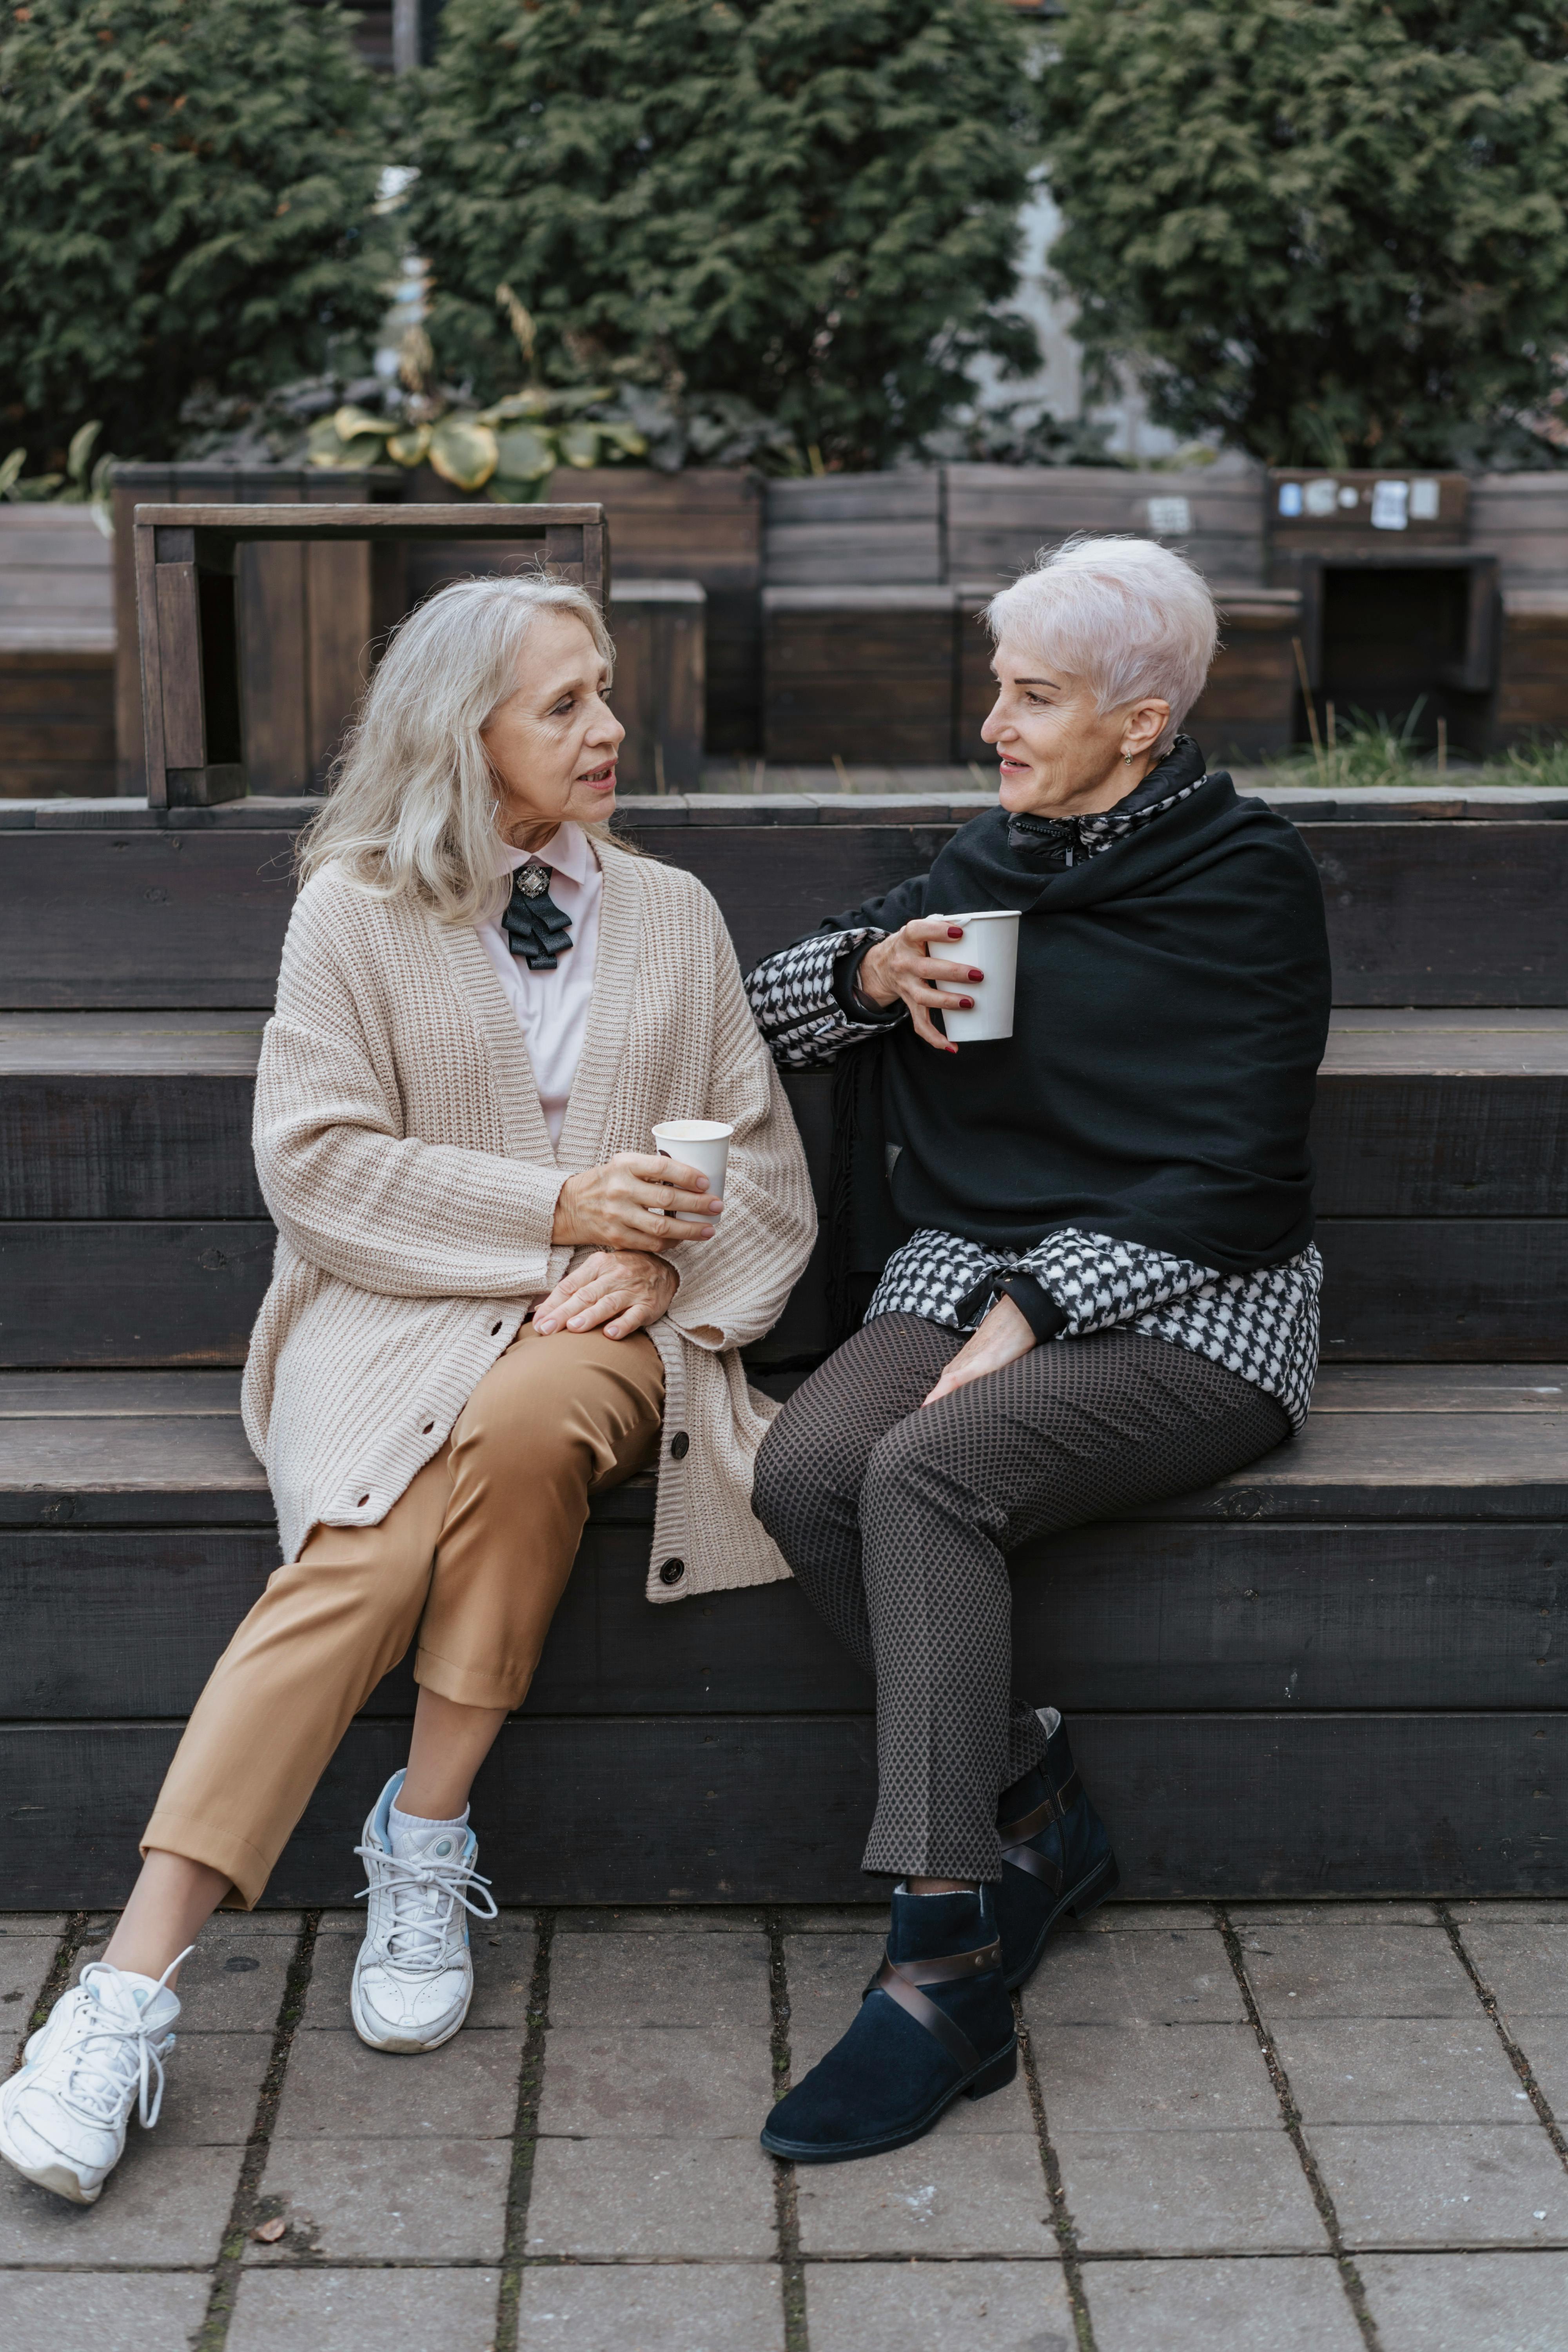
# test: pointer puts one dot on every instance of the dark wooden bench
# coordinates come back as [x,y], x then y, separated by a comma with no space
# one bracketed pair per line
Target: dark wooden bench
[1339,1672]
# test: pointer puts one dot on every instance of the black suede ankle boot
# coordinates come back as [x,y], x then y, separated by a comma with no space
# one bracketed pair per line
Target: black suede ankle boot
[1055,1854]
[936,2021]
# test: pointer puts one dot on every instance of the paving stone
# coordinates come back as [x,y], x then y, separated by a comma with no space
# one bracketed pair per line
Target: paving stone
[1124,1918]
[978,2306]
[719,2307]
[1539,1911]
[709,2197]
[1323,1970]
[1159,1977]
[337,2089]
[1294,2304]
[233,1982]
[662,1919]
[118,2315]
[1331,1913]
[1467,2302]
[837,1919]
[950,2193]
[27,1924]
[1400,2070]
[665,1978]
[386,2200]
[1397,2184]
[1154,2078]
[350,2311]
[641,2082]
[502,1953]
[25,1962]
[210,2089]
[1190,2192]
[1525,1964]
[174,2200]
[826,1974]
[1544,2041]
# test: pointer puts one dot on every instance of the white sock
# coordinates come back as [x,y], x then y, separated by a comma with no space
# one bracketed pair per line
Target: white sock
[405,1829]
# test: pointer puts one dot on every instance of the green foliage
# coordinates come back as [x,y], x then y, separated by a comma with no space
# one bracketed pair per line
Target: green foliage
[1333,229]
[185,195]
[810,204]
[81,484]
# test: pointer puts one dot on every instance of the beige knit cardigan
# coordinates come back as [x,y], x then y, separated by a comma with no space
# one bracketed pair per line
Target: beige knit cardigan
[404,1153]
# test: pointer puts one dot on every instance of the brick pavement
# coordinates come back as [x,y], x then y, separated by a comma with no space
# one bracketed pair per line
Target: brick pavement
[1296,2128]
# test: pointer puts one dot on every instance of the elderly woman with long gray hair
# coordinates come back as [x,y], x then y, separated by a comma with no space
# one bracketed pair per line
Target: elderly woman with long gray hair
[491,1300]
[1084,1245]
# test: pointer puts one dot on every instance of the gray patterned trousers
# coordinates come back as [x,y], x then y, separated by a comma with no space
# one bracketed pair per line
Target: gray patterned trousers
[897,1517]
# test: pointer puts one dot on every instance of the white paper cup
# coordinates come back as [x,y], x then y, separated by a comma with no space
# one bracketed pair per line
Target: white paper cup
[992,939]
[700,1143]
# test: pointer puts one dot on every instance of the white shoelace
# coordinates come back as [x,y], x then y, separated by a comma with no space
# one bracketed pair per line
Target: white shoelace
[114,2051]
[418,1937]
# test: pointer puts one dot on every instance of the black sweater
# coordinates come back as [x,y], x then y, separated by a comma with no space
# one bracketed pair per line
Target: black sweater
[1172,1010]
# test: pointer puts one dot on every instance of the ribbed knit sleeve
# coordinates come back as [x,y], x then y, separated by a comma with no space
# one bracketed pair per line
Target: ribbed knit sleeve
[733,1288]
[354,1193]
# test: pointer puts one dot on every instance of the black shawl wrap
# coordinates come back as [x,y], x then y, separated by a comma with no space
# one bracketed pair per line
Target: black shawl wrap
[1173,1007]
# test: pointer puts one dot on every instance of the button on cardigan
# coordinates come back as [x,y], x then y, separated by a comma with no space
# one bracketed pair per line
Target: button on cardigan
[403,1151]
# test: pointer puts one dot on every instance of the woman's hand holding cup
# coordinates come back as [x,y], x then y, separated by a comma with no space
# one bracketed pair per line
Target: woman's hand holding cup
[901,966]
[638,1201]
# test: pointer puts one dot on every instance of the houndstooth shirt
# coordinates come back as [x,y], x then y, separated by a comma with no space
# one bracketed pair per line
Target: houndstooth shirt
[1262,1326]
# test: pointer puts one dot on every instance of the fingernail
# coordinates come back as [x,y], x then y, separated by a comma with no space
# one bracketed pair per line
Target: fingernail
[977,975]
[955,930]
[966,1004]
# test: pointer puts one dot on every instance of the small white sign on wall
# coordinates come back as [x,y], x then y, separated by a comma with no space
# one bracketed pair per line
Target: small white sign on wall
[1390,506]
[1320,497]
[1170,517]
[1426,498]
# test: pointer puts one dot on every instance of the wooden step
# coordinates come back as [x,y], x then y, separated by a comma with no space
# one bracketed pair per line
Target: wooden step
[1340,1670]
[101,908]
[134,1233]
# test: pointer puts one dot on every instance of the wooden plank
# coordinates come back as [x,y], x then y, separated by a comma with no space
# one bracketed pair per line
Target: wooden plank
[1118,1616]
[127,1148]
[1446,1290]
[858,675]
[114,1396]
[1423,914]
[147,1291]
[192,917]
[1394,1463]
[745,1809]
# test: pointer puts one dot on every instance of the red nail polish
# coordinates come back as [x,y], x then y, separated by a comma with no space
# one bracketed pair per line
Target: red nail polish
[966,1004]
[977,975]
[954,931]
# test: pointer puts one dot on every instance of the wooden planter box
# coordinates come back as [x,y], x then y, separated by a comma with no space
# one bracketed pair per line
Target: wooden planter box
[307,615]
[57,654]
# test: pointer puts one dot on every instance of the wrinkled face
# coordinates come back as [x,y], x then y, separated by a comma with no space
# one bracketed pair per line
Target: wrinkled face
[553,741]
[1059,754]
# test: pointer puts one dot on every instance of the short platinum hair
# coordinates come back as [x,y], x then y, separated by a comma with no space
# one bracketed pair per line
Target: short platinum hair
[1131,617]
[411,807]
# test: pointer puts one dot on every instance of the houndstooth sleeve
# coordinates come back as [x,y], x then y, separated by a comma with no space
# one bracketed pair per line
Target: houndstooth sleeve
[792,997]
[1099,1282]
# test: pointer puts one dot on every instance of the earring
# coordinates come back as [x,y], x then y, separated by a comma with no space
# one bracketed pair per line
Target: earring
[1127,759]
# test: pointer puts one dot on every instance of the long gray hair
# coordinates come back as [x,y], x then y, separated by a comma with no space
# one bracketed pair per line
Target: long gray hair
[411,807]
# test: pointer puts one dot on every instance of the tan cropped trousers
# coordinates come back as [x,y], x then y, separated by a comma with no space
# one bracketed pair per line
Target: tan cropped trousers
[472,1559]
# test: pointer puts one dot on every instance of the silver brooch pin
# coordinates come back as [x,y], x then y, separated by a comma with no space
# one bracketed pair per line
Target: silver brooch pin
[533,881]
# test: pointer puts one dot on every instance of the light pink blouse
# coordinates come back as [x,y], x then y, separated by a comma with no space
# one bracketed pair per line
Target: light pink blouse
[552,1007]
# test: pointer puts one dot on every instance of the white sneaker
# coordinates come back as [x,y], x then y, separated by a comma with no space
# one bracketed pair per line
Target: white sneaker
[99,2054]
[413,1978]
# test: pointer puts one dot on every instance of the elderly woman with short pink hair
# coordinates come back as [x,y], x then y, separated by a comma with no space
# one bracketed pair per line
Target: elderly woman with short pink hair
[1085,1255]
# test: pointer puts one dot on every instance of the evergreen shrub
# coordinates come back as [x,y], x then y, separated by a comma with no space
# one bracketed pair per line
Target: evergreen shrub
[811,205]
[1331,230]
[185,202]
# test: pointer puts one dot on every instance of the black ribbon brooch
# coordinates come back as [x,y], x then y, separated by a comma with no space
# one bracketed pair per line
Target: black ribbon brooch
[535,926]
